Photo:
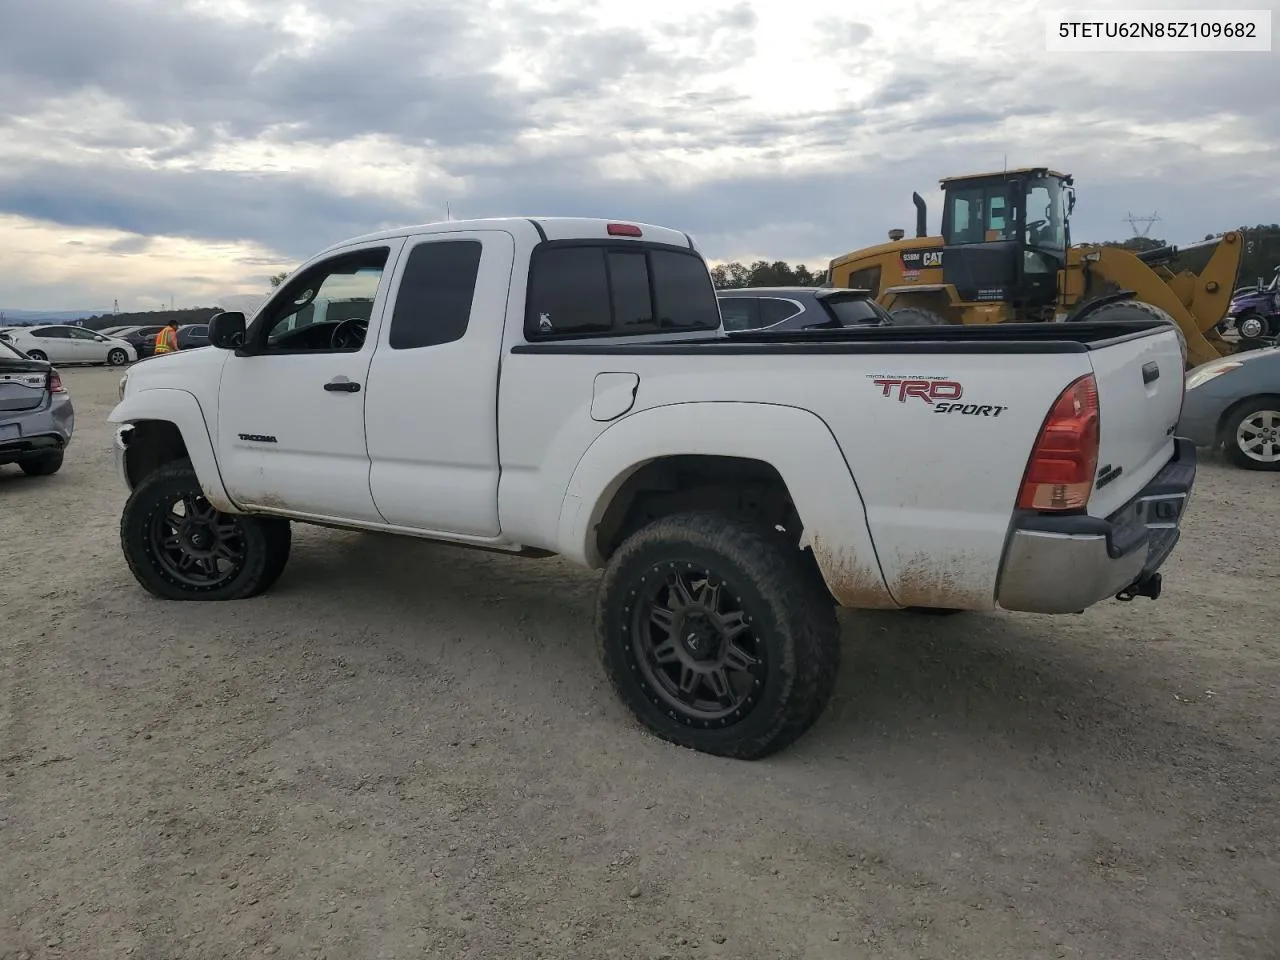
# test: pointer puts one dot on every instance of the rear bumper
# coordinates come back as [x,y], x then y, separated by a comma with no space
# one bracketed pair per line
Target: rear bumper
[1067,564]
[39,432]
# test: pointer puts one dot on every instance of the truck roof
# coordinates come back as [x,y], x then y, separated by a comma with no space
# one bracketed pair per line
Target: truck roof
[547,228]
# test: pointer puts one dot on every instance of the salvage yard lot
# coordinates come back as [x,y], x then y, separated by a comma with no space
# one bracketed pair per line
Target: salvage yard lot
[409,750]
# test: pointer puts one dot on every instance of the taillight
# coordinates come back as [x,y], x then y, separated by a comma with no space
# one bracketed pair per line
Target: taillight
[623,230]
[1064,459]
[55,383]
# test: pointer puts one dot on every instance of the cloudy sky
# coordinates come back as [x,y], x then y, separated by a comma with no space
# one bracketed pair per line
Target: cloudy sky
[191,148]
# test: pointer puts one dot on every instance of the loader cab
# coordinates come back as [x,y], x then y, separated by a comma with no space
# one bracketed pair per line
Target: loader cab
[1005,236]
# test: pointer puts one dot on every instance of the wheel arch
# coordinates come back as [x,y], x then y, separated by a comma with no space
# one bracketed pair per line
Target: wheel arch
[779,460]
[160,426]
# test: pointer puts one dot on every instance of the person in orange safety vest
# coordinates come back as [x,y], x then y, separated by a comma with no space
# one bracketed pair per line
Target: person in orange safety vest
[167,339]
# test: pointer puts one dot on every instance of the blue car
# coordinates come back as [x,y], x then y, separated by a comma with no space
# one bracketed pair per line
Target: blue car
[1234,403]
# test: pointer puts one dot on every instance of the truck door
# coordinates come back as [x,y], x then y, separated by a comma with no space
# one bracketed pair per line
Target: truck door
[432,403]
[291,403]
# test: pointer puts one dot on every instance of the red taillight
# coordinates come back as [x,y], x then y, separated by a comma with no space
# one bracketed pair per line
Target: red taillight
[624,230]
[1065,457]
[55,383]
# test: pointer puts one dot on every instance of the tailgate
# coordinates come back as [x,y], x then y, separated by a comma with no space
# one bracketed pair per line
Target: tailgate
[22,386]
[1140,387]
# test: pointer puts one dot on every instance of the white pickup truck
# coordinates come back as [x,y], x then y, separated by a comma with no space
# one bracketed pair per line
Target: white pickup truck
[564,386]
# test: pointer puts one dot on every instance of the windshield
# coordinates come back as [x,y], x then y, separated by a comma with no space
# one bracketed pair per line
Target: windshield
[1046,219]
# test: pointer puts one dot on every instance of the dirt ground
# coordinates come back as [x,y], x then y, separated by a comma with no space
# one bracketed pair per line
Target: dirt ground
[406,750]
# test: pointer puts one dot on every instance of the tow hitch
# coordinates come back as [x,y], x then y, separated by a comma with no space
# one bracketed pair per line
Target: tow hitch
[1148,586]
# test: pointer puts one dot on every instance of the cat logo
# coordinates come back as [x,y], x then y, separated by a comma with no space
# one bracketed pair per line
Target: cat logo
[921,259]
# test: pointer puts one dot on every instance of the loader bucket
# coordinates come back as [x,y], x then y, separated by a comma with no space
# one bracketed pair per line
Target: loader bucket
[1197,302]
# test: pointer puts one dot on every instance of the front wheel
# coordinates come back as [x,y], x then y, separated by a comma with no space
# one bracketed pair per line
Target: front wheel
[716,635]
[1252,435]
[117,357]
[180,548]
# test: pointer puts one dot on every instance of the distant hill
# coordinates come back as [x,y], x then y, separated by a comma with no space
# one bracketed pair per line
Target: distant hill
[43,316]
[248,303]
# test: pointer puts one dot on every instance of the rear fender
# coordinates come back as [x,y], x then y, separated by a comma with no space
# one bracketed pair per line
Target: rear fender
[183,410]
[798,444]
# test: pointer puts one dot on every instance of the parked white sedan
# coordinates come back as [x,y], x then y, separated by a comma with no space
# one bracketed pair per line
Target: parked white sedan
[63,343]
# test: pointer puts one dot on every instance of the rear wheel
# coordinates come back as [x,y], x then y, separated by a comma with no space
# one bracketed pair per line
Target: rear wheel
[116,357]
[42,466]
[36,354]
[716,636]
[180,548]
[917,317]
[1252,435]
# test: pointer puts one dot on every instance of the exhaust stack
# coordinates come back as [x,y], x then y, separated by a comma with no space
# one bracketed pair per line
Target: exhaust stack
[922,223]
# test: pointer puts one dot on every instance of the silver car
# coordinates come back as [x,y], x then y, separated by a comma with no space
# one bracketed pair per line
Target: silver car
[1234,403]
[36,416]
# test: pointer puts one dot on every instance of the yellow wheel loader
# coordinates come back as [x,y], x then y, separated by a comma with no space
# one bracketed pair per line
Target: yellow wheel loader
[1005,255]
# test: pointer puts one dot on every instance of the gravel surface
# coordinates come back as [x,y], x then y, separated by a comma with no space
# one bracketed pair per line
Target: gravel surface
[406,750]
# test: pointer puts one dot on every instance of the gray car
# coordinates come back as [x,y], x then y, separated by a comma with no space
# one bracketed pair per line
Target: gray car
[36,416]
[798,308]
[1235,403]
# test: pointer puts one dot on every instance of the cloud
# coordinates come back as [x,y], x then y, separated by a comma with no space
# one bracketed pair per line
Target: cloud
[246,134]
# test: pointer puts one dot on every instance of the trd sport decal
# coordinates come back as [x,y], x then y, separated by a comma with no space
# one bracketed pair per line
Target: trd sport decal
[941,394]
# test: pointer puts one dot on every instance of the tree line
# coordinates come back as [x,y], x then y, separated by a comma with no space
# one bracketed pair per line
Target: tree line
[734,275]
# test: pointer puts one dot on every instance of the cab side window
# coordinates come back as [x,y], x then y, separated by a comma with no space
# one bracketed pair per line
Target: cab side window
[433,302]
[305,313]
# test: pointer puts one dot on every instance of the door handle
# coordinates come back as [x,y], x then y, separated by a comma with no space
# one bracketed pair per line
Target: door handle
[342,386]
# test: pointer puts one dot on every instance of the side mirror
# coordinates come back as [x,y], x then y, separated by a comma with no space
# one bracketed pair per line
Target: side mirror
[226,330]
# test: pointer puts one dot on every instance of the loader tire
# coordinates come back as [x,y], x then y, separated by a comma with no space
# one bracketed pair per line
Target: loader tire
[1129,310]
[917,317]
[1135,310]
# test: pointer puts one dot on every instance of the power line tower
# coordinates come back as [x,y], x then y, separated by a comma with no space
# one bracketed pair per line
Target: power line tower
[1146,222]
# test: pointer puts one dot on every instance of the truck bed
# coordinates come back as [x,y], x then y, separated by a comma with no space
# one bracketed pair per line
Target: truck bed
[934,481]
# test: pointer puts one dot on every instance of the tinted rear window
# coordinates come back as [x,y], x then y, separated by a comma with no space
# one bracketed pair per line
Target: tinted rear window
[568,293]
[603,289]
[773,310]
[740,313]
[629,282]
[852,313]
[686,298]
